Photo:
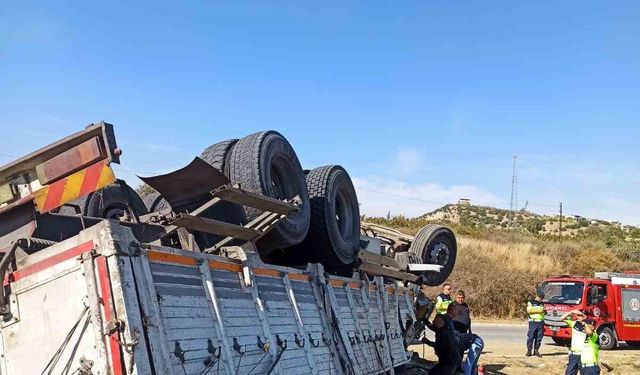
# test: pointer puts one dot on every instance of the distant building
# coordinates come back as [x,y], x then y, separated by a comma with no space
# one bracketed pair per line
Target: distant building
[464,202]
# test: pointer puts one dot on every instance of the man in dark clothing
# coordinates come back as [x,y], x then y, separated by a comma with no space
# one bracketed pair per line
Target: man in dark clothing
[465,341]
[449,357]
[462,319]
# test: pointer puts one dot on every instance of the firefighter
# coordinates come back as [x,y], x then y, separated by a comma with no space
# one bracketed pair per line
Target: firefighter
[590,355]
[578,337]
[535,311]
[444,299]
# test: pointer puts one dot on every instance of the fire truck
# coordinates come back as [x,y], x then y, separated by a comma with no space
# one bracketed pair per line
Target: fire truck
[611,299]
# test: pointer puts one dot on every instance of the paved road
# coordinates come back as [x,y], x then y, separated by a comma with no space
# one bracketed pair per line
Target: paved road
[500,333]
[503,333]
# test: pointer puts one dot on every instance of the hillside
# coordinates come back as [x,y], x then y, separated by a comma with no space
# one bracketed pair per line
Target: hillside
[495,218]
[500,268]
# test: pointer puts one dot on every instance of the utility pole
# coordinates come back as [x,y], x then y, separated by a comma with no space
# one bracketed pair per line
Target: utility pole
[514,193]
[560,232]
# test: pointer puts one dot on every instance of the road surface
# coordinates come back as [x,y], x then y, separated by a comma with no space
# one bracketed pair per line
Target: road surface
[505,344]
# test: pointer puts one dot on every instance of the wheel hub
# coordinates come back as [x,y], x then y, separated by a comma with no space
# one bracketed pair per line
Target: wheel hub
[439,254]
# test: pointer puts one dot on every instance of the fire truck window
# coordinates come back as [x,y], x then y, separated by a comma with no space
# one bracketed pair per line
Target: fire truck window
[569,293]
[602,291]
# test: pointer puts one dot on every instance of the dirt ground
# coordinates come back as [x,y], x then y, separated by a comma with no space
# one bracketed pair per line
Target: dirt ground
[504,354]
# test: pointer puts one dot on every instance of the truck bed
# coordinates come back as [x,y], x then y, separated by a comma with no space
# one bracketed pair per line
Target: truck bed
[102,303]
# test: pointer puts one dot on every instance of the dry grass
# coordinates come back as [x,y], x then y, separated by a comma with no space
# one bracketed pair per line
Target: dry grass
[500,272]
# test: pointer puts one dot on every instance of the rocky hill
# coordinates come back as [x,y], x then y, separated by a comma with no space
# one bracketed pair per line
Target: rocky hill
[494,218]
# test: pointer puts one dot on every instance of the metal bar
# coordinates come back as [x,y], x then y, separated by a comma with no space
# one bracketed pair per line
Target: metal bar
[235,195]
[379,259]
[343,335]
[257,222]
[354,315]
[126,305]
[299,323]
[376,270]
[29,162]
[264,323]
[210,292]
[94,307]
[414,267]
[317,280]
[380,229]
[155,326]
[364,294]
[215,227]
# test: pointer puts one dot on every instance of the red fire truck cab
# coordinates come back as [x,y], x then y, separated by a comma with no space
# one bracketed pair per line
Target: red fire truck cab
[611,299]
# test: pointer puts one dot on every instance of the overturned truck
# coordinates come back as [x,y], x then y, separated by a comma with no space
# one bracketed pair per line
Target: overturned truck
[240,263]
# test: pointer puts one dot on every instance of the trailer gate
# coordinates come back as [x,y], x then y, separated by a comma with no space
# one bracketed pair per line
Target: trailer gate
[143,309]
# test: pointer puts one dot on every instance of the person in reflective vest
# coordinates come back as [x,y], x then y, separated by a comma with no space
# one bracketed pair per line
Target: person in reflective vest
[444,299]
[590,355]
[535,311]
[578,337]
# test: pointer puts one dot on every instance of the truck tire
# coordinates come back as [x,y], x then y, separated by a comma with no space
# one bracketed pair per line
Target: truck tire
[218,155]
[561,341]
[112,201]
[265,163]
[334,231]
[608,339]
[435,244]
[633,344]
[155,202]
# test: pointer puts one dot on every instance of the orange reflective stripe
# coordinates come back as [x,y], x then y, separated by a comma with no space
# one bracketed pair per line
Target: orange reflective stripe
[171,258]
[266,272]
[74,186]
[299,277]
[354,285]
[336,283]
[224,266]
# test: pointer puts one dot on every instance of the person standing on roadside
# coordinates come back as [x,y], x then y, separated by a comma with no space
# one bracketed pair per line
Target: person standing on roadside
[444,299]
[590,355]
[462,320]
[578,337]
[535,311]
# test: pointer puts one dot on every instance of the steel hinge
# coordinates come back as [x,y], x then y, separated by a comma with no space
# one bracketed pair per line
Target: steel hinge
[114,326]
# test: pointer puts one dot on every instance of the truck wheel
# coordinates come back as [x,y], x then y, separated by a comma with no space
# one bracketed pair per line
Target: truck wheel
[607,338]
[155,202]
[219,154]
[561,341]
[113,201]
[265,163]
[334,232]
[633,344]
[435,244]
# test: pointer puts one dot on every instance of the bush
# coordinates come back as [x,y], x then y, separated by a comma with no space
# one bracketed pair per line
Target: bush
[493,290]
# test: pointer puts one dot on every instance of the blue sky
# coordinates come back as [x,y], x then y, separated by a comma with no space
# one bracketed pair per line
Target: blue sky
[423,102]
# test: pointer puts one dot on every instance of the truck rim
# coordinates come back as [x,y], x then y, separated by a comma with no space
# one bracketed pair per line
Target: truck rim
[439,254]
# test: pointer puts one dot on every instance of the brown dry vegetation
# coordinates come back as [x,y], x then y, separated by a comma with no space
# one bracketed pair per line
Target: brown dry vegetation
[500,270]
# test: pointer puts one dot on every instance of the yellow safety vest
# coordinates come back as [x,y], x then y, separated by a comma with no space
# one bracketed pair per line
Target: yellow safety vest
[536,312]
[591,350]
[577,337]
[442,304]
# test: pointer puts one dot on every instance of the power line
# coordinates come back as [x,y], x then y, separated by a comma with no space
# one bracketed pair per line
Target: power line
[514,193]
[402,196]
